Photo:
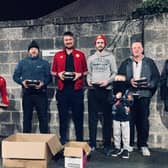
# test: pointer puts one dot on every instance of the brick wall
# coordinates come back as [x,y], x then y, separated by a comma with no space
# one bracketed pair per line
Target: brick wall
[16,35]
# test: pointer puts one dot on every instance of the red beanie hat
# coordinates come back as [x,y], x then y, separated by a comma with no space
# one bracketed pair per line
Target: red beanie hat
[100,37]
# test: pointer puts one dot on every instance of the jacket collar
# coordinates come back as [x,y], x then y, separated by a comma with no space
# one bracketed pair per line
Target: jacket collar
[73,50]
[33,58]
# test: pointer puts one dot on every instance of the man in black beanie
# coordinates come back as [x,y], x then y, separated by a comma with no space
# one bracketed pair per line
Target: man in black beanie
[33,74]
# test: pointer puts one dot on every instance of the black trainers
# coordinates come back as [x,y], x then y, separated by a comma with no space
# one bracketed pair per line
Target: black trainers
[116,152]
[125,154]
[107,151]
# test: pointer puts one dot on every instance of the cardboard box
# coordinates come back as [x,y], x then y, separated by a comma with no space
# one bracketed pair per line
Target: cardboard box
[25,149]
[76,154]
[23,163]
[75,162]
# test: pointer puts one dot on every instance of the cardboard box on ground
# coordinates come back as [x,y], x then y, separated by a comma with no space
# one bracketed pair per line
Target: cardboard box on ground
[75,154]
[29,150]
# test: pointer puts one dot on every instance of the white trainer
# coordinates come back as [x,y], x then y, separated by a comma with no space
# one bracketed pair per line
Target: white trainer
[145,151]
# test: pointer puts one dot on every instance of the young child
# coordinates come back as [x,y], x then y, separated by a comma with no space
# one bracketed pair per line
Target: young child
[122,101]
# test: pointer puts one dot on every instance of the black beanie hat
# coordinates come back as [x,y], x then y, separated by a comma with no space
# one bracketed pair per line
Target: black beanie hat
[33,44]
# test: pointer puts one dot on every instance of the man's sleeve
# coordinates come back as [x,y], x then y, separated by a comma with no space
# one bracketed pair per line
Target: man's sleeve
[85,68]
[155,75]
[164,75]
[122,69]
[17,74]
[113,69]
[48,78]
[155,78]
[54,66]
[89,70]
[163,81]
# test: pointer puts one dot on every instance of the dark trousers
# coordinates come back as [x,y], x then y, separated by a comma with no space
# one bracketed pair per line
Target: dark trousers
[69,99]
[166,104]
[40,103]
[98,101]
[139,119]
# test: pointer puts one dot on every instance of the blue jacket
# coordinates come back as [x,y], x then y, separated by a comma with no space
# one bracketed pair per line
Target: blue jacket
[32,69]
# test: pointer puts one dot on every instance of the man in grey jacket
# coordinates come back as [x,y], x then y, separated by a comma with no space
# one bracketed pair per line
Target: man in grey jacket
[101,72]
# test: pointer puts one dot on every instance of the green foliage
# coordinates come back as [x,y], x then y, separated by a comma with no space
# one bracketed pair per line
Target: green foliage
[150,7]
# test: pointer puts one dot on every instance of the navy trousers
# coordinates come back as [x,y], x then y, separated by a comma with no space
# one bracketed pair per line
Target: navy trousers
[139,120]
[98,102]
[70,100]
[39,102]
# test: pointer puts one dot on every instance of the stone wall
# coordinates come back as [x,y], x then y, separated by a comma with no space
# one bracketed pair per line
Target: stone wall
[16,35]
[156,42]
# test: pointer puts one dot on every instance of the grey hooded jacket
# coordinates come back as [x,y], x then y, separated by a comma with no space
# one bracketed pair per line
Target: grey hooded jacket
[102,66]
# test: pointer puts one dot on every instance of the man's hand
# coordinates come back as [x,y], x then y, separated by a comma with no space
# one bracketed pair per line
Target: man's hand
[77,76]
[60,75]
[40,85]
[24,84]
[89,83]
[103,83]
[133,83]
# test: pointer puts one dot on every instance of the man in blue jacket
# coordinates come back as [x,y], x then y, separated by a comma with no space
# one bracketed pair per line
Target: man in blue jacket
[33,74]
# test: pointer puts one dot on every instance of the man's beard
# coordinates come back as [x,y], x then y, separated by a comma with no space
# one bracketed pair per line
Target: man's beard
[69,48]
[34,54]
[100,49]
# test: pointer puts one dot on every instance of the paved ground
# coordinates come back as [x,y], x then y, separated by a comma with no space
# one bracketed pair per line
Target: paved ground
[158,159]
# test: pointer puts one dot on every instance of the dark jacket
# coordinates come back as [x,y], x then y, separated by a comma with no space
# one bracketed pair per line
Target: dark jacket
[32,69]
[164,82]
[149,70]
[119,108]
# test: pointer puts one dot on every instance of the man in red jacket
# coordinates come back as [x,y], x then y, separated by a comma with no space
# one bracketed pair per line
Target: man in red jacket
[69,66]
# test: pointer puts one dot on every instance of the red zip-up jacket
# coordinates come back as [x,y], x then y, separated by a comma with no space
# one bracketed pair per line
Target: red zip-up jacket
[80,66]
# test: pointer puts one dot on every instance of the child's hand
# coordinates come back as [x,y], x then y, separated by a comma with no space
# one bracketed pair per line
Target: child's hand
[129,97]
[127,109]
[119,95]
